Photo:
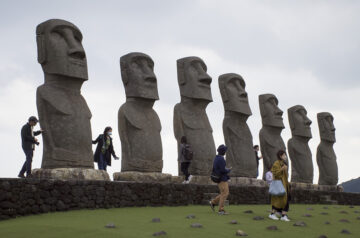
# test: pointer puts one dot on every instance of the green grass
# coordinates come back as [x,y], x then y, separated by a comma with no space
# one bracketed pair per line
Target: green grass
[136,222]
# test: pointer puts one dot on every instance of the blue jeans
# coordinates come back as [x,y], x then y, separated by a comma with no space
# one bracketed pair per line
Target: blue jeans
[102,162]
[27,165]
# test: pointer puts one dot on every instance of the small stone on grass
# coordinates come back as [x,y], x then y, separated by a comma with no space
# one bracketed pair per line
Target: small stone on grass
[310,209]
[272,228]
[327,223]
[160,233]
[358,218]
[196,225]
[344,212]
[344,231]
[324,213]
[323,236]
[240,233]
[344,220]
[325,208]
[249,211]
[110,225]
[300,223]
[191,216]
[307,215]
[258,218]
[233,222]
[156,219]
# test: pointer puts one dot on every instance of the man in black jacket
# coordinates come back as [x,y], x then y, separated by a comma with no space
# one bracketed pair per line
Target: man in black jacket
[28,144]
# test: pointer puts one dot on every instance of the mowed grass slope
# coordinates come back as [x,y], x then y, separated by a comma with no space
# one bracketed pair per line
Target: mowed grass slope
[136,222]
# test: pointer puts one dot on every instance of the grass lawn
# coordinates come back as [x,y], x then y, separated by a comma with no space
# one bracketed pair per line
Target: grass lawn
[136,222]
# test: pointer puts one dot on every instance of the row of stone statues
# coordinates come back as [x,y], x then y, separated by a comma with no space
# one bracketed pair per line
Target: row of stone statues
[65,116]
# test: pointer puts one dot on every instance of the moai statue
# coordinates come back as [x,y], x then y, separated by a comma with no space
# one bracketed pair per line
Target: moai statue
[302,169]
[190,117]
[325,156]
[63,112]
[139,125]
[240,155]
[270,133]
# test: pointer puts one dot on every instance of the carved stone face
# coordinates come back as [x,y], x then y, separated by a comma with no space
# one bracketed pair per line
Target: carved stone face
[270,112]
[137,72]
[60,50]
[299,122]
[326,126]
[234,96]
[193,80]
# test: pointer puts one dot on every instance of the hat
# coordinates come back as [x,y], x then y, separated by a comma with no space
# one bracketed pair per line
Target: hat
[33,118]
[222,149]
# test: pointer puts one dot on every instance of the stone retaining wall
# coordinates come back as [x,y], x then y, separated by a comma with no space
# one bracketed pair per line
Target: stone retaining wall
[20,197]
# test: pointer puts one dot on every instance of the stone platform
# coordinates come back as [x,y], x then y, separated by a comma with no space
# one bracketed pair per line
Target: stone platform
[316,187]
[71,174]
[149,177]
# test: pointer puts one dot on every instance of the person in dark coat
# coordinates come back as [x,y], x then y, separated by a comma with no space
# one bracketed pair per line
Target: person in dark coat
[184,159]
[28,142]
[219,168]
[104,149]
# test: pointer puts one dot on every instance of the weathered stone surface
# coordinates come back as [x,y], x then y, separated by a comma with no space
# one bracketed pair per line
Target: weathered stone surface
[160,233]
[190,118]
[302,169]
[270,133]
[70,174]
[240,154]
[149,177]
[242,181]
[233,222]
[316,187]
[196,225]
[325,154]
[240,233]
[300,223]
[63,113]
[138,123]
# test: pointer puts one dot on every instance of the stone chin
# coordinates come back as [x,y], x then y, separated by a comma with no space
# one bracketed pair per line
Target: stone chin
[303,133]
[240,107]
[274,122]
[203,94]
[328,137]
[71,69]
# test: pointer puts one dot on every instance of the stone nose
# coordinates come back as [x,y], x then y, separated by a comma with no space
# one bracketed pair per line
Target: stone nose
[77,53]
[205,79]
[308,122]
[278,112]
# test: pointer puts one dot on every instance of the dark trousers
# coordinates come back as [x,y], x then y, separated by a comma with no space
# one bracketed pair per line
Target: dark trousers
[27,165]
[102,162]
[185,169]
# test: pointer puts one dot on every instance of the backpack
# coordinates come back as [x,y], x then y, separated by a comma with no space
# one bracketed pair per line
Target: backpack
[188,153]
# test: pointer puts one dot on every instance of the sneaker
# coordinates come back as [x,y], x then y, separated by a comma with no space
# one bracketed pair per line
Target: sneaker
[21,176]
[274,217]
[223,213]
[284,218]
[189,179]
[212,206]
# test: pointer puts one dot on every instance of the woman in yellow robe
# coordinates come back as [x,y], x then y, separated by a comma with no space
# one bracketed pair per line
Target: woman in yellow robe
[280,204]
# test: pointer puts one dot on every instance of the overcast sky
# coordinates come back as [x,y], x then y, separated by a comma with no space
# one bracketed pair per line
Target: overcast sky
[304,52]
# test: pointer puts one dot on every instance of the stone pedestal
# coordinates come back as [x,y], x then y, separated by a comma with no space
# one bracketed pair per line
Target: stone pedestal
[71,174]
[243,181]
[150,177]
[309,186]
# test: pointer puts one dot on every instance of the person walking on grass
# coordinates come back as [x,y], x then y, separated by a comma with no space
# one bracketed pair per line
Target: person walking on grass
[104,149]
[28,142]
[280,204]
[185,157]
[219,168]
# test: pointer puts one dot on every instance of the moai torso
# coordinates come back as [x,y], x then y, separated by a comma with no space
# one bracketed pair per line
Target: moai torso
[190,118]
[63,113]
[139,125]
[270,134]
[240,155]
[325,155]
[302,169]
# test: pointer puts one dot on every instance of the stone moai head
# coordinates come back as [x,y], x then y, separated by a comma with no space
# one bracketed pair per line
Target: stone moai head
[137,73]
[60,50]
[233,94]
[271,114]
[299,122]
[193,80]
[326,126]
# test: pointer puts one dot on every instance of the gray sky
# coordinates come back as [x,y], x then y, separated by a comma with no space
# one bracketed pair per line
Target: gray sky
[304,52]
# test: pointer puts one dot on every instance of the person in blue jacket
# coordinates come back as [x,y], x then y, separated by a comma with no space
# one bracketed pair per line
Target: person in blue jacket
[219,168]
